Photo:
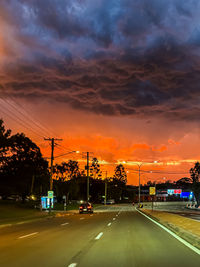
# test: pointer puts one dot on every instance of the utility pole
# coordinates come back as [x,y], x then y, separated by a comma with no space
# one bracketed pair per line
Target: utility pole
[139,185]
[88,181]
[52,158]
[105,200]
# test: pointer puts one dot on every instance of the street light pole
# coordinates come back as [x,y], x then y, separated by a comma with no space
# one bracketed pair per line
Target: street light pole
[105,200]
[139,183]
[139,191]
[88,181]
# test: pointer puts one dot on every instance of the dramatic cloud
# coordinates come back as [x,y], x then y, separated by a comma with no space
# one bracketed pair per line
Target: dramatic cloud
[137,58]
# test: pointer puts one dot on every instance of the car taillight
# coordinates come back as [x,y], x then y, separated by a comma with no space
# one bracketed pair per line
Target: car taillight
[89,207]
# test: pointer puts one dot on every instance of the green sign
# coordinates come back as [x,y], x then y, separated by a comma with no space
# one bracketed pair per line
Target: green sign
[50,194]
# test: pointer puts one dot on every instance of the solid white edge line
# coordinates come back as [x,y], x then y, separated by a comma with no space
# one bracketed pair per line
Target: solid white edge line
[109,224]
[99,236]
[28,235]
[173,234]
[72,265]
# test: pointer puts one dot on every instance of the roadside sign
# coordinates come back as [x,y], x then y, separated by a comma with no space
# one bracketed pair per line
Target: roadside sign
[152,191]
[50,194]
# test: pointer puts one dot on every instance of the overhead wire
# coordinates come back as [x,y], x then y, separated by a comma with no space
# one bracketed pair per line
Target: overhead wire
[42,126]
[19,120]
[24,118]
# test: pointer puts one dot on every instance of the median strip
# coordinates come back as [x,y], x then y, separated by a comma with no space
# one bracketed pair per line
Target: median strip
[28,235]
[99,236]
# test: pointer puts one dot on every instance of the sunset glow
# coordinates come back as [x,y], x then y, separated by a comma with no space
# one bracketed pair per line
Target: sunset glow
[119,79]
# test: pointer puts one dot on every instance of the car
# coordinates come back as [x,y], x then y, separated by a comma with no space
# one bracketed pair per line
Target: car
[86,207]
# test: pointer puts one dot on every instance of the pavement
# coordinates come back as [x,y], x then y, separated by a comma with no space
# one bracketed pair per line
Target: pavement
[120,236]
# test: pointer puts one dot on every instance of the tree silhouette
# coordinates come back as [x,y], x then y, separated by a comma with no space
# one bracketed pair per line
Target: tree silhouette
[120,174]
[20,160]
[195,176]
[95,170]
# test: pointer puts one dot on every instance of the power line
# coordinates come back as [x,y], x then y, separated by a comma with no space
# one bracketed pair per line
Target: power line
[42,126]
[27,117]
[15,117]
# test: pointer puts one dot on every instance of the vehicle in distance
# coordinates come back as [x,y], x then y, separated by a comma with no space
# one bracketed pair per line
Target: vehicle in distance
[86,207]
[109,202]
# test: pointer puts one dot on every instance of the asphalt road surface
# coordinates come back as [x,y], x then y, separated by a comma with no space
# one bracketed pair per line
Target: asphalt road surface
[122,237]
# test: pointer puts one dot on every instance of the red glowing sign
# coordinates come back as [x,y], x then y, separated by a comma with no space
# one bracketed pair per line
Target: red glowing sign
[177,191]
[174,191]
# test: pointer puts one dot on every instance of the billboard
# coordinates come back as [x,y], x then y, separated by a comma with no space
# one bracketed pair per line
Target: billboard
[174,191]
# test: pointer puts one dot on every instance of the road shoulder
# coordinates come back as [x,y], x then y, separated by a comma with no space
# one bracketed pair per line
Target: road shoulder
[186,228]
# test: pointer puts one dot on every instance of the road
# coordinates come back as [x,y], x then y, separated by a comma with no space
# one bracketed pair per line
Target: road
[119,237]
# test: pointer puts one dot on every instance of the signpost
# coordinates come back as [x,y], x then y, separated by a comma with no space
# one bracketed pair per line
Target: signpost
[50,197]
[152,192]
[50,194]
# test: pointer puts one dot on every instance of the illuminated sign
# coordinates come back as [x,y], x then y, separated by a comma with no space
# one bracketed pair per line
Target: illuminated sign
[174,191]
[45,202]
[50,194]
[152,190]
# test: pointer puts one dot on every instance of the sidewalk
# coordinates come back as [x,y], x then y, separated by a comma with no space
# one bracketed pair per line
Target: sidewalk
[184,227]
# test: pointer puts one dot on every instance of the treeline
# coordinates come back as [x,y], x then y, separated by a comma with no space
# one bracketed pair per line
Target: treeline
[24,171]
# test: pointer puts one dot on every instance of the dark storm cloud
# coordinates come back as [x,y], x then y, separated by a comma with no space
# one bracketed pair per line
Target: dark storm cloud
[116,57]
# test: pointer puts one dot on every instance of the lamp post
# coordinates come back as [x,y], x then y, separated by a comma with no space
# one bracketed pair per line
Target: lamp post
[139,169]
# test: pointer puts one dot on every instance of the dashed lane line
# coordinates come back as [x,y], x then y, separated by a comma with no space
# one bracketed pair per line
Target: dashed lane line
[109,224]
[114,219]
[99,236]
[82,218]
[72,265]
[64,223]
[28,235]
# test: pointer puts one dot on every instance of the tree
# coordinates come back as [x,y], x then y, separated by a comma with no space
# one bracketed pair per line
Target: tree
[21,163]
[120,174]
[66,170]
[195,176]
[4,142]
[95,170]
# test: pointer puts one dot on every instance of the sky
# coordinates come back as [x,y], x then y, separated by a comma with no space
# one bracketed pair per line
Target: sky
[117,78]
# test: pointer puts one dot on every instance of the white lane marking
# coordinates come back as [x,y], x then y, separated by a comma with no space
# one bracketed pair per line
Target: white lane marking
[64,223]
[72,265]
[28,235]
[82,218]
[173,234]
[114,219]
[99,236]
[116,215]
[91,215]
[109,224]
